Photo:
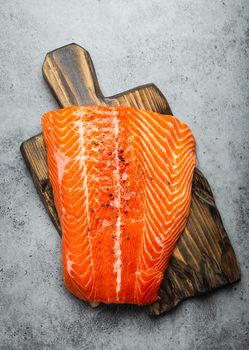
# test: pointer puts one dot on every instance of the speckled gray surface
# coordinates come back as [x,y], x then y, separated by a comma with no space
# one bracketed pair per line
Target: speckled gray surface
[197,54]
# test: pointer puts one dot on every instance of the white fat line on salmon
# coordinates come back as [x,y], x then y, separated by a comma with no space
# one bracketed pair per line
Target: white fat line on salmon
[61,162]
[82,159]
[117,199]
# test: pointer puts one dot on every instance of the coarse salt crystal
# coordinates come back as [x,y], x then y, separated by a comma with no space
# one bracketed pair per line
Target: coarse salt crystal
[124,176]
[127,196]
[126,209]
[106,223]
[116,203]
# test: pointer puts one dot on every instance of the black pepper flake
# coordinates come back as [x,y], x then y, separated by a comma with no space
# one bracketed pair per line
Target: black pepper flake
[127,238]
[110,195]
[107,205]
[121,158]
[121,151]
[102,204]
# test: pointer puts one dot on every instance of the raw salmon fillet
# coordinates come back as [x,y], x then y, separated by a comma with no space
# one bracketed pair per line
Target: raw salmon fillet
[121,180]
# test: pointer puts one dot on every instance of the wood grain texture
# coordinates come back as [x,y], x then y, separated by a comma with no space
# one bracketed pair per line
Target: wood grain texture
[203,259]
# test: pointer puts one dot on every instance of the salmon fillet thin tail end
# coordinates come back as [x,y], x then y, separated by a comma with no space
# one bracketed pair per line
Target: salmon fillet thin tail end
[121,180]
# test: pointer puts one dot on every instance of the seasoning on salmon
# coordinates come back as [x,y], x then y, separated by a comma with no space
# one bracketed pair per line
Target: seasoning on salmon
[121,180]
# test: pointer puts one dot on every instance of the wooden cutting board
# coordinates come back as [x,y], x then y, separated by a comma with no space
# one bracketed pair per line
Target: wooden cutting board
[203,259]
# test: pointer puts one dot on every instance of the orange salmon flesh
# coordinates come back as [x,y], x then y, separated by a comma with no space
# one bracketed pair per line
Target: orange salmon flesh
[121,180]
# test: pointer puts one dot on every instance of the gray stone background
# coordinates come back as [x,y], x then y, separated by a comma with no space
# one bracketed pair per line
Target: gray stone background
[196,52]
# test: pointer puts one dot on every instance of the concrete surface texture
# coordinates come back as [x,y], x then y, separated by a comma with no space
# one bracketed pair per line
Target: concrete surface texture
[196,52]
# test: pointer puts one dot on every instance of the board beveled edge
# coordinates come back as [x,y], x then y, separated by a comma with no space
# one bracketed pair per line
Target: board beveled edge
[42,188]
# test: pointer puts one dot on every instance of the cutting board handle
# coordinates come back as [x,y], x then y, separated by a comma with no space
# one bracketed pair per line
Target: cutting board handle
[70,74]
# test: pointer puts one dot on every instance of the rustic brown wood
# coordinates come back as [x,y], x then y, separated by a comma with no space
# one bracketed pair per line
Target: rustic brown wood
[203,259]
